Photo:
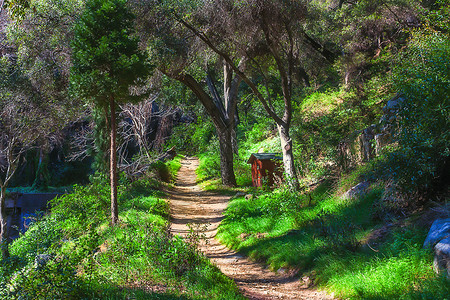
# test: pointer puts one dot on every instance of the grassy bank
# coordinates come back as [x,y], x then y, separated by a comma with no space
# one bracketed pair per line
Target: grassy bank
[344,246]
[73,253]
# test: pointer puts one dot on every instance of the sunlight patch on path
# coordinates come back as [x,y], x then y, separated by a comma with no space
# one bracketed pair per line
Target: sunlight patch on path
[190,204]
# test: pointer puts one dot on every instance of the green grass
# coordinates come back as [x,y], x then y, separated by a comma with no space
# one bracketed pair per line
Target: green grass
[209,167]
[325,237]
[174,166]
[88,259]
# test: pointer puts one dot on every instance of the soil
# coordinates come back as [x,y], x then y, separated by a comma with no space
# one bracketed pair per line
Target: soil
[192,205]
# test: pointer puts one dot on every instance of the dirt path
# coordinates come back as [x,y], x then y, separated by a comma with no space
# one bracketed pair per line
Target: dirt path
[190,204]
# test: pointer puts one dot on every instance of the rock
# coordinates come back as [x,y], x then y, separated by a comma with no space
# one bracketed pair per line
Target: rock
[393,105]
[440,230]
[357,191]
[442,257]
[243,236]
[239,195]
[365,140]
[261,235]
[41,260]
[381,140]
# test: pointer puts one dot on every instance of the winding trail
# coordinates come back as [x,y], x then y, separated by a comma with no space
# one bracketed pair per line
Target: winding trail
[190,204]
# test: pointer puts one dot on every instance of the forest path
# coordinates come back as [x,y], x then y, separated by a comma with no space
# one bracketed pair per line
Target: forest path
[190,204]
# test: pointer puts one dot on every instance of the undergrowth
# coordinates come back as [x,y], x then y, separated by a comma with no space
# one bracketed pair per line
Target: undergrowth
[73,253]
[339,243]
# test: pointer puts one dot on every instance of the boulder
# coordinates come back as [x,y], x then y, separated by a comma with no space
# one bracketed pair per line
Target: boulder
[442,257]
[439,238]
[357,191]
[440,230]
[394,105]
[239,195]
[41,260]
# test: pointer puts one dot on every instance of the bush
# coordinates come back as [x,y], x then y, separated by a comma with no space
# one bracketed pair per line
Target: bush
[209,166]
[85,208]
[422,73]
[192,138]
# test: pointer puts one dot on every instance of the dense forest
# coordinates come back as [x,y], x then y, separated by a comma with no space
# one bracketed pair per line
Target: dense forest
[102,102]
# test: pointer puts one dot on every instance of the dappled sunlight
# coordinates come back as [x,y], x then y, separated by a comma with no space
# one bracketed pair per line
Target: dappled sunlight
[191,206]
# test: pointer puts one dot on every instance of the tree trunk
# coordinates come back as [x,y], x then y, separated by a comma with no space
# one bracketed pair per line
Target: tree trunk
[221,120]
[41,179]
[288,157]
[226,156]
[4,236]
[113,165]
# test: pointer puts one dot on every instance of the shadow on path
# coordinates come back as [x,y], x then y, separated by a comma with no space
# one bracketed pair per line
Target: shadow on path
[190,204]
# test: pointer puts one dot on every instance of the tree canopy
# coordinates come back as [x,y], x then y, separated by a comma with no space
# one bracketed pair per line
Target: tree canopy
[107,67]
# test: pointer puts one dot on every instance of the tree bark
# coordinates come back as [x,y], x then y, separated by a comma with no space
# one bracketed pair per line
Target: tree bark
[226,156]
[4,236]
[113,165]
[41,179]
[221,120]
[288,156]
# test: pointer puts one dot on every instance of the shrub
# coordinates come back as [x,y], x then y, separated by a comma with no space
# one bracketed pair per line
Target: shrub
[209,166]
[422,74]
[84,209]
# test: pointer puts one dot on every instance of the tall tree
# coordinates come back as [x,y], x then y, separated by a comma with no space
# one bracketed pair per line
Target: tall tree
[271,36]
[107,67]
[179,56]
[39,35]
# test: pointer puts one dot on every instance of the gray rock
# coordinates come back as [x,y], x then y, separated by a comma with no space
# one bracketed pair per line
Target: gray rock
[440,229]
[357,191]
[393,105]
[442,257]
[365,139]
[381,140]
[41,260]
[239,195]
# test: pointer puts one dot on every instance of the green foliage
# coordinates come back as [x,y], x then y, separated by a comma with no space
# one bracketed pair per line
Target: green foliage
[422,74]
[438,16]
[41,26]
[106,58]
[167,171]
[194,138]
[85,208]
[100,148]
[335,242]
[73,253]
[328,119]
[401,270]
[174,166]
[209,166]
[38,239]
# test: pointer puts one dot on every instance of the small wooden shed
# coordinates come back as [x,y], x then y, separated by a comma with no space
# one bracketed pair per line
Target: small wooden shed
[265,168]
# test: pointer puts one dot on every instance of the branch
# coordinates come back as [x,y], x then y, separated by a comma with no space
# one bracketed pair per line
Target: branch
[206,100]
[216,98]
[252,86]
[233,92]
[329,56]
[285,82]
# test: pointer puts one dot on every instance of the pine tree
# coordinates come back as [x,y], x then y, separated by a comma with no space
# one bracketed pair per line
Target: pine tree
[107,63]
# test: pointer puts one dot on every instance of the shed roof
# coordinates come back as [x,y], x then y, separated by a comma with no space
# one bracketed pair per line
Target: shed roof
[264,156]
